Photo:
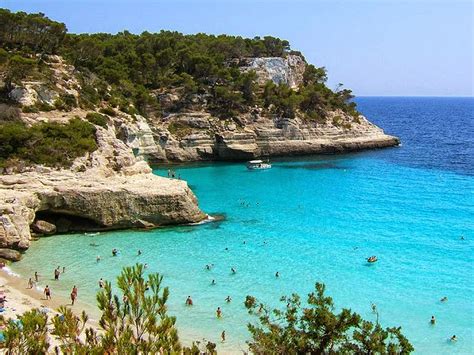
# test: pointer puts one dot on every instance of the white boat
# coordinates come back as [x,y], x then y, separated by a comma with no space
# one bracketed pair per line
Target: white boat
[258,165]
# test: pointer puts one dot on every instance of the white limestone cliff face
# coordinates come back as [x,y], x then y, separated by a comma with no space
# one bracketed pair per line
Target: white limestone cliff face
[107,189]
[288,70]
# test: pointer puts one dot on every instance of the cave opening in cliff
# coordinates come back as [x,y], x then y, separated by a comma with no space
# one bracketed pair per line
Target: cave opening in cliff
[66,223]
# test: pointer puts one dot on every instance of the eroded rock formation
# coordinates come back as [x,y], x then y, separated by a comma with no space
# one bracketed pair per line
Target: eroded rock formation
[109,189]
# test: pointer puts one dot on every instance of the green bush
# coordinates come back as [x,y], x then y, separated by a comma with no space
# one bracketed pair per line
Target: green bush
[51,144]
[65,102]
[9,113]
[107,111]
[97,119]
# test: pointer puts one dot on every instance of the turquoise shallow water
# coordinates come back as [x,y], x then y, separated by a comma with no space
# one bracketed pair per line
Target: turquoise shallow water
[311,219]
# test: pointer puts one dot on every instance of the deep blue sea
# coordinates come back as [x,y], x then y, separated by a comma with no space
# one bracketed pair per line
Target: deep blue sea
[316,219]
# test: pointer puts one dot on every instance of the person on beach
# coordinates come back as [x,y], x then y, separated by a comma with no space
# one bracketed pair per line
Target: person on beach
[223,336]
[101,283]
[218,312]
[73,295]
[433,320]
[56,274]
[30,283]
[47,292]
[36,276]
[228,299]
[189,301]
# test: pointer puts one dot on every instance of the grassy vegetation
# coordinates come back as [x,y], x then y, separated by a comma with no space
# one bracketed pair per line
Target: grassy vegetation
[51,144]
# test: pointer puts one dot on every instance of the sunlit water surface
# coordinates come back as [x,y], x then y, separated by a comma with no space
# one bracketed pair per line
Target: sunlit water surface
[314,219]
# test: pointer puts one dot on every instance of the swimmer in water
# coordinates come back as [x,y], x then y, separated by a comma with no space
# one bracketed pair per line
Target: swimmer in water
[213,282]
[145,266]
[208,267]
[454,338]
[114,252]
[139,252]
[97,259]
[233,270]
[218,312]
[433,320]
[444,299]
[189,301]
[101,283]
[228,299]
[277,274]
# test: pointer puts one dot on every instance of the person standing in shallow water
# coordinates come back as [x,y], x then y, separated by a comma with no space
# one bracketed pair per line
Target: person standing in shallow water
[73,295]
[47,292]
[218,312]
[36,276]
[56,274]
[223,336]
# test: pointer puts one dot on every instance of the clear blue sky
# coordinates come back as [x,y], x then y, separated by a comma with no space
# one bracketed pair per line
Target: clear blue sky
[375,47]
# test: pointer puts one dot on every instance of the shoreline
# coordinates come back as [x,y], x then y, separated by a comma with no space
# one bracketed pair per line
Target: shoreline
[20,299]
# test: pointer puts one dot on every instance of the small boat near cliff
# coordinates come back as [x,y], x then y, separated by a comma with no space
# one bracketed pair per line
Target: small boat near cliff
[258,165]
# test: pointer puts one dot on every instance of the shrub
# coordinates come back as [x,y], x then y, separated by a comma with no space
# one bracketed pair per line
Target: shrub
[43,106]
[9,113]
[336,121]
[97,119]
[107,111]
[65,102]
[29,109]
[51,144]
[314,328]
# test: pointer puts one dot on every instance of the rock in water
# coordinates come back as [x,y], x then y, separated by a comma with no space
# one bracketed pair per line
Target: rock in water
[43,227]
[10,254]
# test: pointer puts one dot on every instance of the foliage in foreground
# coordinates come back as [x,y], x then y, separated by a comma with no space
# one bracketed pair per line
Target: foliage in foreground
[134,323]
[51,144]
[137,323]
[317,329]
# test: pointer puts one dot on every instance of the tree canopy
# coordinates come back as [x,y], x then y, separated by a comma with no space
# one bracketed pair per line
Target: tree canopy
[314,328]
[130,71]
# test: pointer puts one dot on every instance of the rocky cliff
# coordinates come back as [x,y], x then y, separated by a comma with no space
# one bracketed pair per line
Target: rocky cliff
[194,133]
[108,189]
